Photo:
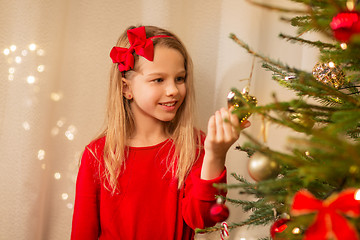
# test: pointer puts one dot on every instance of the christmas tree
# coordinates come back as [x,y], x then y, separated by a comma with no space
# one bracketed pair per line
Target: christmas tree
[311,191]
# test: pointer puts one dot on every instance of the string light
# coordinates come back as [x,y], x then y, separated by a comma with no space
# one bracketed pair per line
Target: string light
[13,48]
[357,195]
[18,59]
[41,154]
[57,176]
[40,68]
[296,230]
[70,133]
[6,51]
[32,47]
[56,96]
[55,131]
[30,79]
[61,122]
[26,126]
[64,196]
[343,46]
[40,52]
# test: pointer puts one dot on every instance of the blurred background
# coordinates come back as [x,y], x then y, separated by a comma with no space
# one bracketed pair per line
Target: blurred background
[54,68]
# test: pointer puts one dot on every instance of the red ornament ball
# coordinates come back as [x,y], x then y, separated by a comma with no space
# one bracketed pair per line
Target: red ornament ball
[219,212]
[278,227]
[345,25]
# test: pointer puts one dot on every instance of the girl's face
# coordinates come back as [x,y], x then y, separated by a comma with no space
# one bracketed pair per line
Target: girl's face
[158,87]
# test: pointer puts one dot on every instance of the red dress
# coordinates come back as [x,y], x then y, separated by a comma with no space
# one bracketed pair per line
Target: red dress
[149,204]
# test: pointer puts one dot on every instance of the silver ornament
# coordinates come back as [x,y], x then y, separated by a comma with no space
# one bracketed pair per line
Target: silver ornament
[260,167]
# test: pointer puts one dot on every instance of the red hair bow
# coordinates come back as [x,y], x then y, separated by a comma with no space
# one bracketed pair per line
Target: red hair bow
[330,220]
[138,43]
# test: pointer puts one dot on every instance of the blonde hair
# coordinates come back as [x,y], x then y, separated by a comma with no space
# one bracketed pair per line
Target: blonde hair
[120,120]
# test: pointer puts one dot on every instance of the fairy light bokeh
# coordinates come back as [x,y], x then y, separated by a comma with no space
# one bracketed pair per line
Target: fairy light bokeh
[25,67]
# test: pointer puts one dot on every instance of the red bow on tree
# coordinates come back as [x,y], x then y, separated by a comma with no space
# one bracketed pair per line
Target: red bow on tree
[329,221]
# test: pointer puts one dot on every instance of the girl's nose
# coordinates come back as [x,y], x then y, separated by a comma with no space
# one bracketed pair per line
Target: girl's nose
[171,89]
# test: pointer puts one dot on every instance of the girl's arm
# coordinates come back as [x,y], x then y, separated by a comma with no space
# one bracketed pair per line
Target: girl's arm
[85,223]
[221,135]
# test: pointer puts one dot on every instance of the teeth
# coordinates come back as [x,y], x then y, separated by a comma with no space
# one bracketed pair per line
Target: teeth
[168,104]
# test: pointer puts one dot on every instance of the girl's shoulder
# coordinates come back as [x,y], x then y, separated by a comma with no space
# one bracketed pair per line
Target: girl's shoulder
[96,147]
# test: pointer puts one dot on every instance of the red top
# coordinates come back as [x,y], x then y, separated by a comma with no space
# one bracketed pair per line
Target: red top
[149,204]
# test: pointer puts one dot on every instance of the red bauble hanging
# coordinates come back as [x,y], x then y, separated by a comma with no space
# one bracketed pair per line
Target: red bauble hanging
[279,226]
[219,212]
[345,25]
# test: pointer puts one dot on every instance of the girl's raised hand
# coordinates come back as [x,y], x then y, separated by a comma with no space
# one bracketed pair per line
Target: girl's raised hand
[222,133]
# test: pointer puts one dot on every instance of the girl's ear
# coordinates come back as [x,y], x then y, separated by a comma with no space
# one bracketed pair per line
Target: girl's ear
[126,89]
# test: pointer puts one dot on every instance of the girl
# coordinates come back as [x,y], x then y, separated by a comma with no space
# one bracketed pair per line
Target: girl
[150,174]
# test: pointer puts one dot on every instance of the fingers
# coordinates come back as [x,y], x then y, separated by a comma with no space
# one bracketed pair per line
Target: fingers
[211,128]
[229,130]
[219,125]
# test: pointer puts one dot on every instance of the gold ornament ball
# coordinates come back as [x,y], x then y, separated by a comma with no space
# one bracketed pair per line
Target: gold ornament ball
[238,100]
[260,167]
[302,119]
[329,74]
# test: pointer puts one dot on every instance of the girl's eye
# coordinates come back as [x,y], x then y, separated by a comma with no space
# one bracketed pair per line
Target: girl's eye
[158,80]
[180,79]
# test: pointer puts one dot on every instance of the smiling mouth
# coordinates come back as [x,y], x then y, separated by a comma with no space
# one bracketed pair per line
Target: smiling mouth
[169,104]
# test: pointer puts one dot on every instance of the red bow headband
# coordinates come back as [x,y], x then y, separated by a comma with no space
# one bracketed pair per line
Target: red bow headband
[139,43]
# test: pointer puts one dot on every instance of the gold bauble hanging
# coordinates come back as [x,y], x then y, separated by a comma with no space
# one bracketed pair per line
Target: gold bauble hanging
[329,74]
[261,167]
[238,100]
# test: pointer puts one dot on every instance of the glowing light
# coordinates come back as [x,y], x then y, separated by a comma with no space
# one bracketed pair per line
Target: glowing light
[11,77]
[56,96]
[289,77]
[69,205]
[57,176]
[40,52]
[61,122]
[245,90]
[11,70]
[64,196]
[331,64]
[350,5]
[24,52]
[18,59]
[26,126]
[230,95]
[69,135]
[6,51]
[41,154]
[30,79]
[307,153]
[32,47]
[357,195]
[41,68]
[13,48]
[242,238]
[343,46]
[55,131]
[296,230]
[353,169]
